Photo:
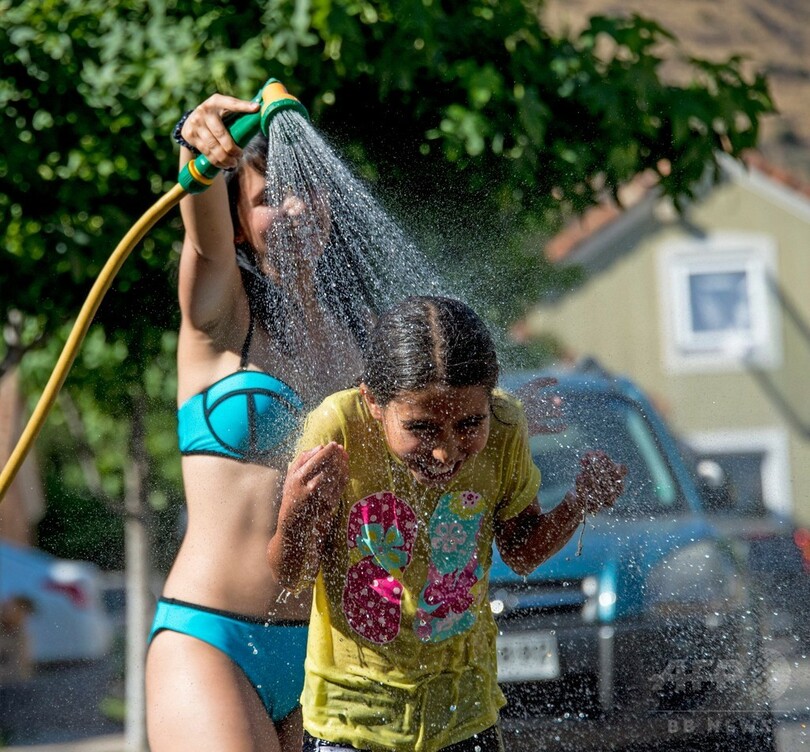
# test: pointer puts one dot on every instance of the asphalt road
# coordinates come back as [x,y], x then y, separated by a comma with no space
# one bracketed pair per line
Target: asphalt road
[61,704]
[59,709]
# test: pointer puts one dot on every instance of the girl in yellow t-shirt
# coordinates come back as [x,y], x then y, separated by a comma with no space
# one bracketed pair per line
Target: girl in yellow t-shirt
[391,508]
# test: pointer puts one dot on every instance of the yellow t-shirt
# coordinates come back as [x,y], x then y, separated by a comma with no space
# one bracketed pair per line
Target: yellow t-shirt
[401,652]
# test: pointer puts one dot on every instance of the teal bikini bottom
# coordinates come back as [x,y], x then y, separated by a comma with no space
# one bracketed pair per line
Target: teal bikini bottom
[270,655]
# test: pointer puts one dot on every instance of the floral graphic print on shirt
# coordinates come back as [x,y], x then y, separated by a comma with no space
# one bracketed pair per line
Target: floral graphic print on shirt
[381,533]
[445,604]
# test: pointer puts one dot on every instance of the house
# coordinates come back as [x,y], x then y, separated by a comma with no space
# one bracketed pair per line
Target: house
[709,311]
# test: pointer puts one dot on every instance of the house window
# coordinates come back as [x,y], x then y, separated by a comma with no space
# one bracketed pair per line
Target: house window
[717,304]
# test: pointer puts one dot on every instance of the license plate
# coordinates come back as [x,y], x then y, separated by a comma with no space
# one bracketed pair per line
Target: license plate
[527,656]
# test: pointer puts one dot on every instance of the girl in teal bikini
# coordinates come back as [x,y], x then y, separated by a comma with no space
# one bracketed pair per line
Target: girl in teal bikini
[225,663]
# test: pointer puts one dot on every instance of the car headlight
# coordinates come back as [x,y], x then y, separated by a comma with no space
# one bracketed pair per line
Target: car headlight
[547,597]
[697,577]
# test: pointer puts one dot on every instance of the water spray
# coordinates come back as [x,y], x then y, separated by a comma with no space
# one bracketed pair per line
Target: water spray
[195,177]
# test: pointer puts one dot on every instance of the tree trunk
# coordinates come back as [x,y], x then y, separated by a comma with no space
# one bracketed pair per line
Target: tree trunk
[139,601]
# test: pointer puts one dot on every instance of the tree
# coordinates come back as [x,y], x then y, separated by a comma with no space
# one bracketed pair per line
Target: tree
[470,118]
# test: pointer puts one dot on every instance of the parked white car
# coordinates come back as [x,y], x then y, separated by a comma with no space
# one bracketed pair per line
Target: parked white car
[68,621]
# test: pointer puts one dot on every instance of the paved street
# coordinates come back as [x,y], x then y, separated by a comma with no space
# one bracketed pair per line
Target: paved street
[61,704]
[59,710]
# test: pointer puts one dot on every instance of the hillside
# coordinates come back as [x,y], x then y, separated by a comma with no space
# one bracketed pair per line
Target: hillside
[773,34]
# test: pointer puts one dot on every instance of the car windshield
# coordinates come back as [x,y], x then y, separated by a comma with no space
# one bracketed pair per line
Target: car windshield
[618,427]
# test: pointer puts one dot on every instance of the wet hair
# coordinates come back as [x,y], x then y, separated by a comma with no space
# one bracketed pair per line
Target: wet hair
[338,283]
[426,340]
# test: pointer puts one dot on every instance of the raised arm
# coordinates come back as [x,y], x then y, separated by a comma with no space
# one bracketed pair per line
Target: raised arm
[315,480]
[209,275]
[527,540]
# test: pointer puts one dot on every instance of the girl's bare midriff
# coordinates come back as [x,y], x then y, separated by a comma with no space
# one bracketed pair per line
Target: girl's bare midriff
[222,562]
[232,506]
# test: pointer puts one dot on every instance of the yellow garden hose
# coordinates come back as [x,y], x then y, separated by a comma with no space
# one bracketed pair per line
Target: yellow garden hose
[195,177]
[79,331]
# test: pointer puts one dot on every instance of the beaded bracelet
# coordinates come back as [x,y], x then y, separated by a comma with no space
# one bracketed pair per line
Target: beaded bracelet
[177,134]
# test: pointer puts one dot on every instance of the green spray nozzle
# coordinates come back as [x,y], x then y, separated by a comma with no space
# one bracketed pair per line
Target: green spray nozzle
[199,173]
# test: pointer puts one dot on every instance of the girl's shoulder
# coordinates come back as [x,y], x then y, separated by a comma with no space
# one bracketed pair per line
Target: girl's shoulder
[507,409]
[345,409]
[346,401]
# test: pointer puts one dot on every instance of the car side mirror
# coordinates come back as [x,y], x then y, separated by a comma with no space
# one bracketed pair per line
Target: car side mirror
[715,486]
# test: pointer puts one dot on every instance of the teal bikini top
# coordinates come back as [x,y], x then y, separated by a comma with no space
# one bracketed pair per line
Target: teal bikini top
[248,415]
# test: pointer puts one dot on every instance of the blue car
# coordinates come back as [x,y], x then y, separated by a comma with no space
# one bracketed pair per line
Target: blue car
[774,550]
[644,629]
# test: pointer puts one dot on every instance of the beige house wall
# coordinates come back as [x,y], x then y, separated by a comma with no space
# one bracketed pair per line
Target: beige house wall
[618,317]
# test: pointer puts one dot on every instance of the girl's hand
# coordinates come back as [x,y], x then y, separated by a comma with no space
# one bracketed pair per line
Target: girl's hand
[315,480]
[544,412]
[206,131]
[600,482]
